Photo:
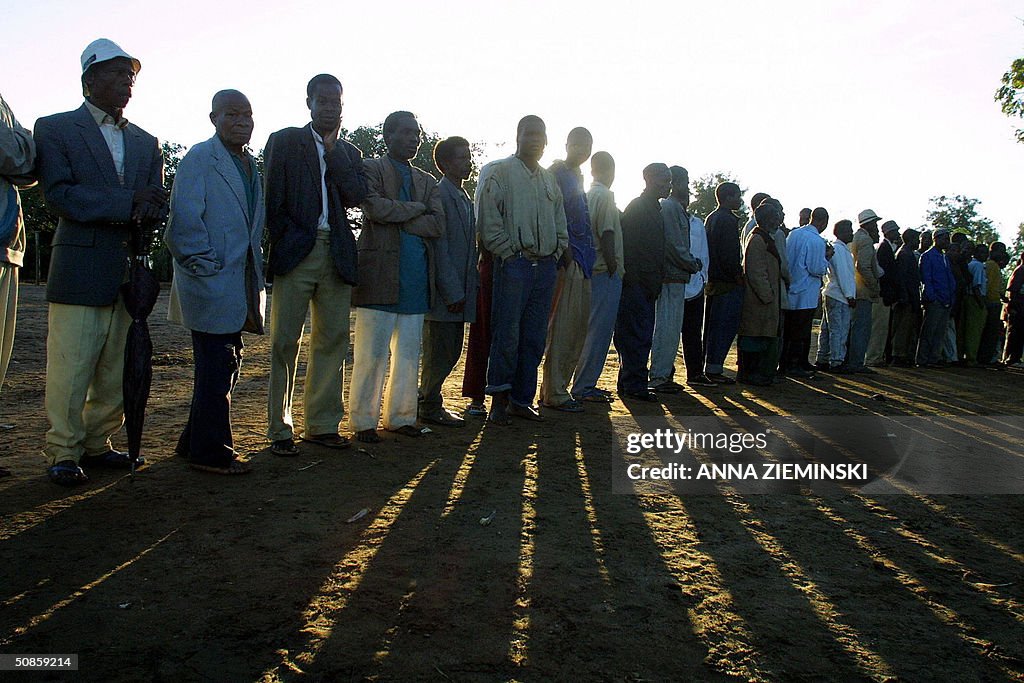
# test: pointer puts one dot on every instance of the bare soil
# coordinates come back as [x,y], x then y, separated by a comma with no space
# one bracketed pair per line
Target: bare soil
[185,576]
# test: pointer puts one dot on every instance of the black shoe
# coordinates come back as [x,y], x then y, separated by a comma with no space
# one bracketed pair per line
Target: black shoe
[644,395]
[669,387]
[719,378]
[701,381]
[112,460]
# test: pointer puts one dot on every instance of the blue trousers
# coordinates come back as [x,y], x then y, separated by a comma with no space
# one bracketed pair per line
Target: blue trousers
[721,323]
[206,438]
[605,293]
[520,308]
[634,331]
[860,334]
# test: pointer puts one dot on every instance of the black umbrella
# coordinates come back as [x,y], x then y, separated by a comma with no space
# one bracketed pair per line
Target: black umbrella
[140,293]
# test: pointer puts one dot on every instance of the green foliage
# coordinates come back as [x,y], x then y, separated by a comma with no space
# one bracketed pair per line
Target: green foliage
[960,214]
[1010,94]
[703,196]
[160,257]
[1017,246]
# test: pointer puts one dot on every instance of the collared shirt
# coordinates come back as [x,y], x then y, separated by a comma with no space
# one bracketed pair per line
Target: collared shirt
[577,216]
[979,281]
[937,277]
[805,249]
[113,134]
[699,249]
[605,217]
[520,211]
[321,153]
[250,179]
[839,280]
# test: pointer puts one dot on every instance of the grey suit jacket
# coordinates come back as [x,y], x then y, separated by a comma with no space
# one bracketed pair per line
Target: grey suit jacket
[457,255]
[212,236]
[80,185]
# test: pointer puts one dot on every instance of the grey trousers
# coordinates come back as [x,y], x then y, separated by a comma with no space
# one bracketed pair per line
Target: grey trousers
[442,348]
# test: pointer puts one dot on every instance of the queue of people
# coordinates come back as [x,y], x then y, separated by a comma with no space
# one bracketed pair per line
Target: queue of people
[541,271]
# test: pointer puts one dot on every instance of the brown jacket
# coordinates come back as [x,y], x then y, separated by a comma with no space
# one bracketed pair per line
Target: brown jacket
[380,239]
[760,315]
[866,271]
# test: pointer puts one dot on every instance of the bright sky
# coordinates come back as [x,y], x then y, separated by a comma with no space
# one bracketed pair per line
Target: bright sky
[843,104]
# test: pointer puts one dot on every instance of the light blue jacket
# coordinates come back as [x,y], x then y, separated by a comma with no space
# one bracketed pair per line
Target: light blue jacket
[211,235]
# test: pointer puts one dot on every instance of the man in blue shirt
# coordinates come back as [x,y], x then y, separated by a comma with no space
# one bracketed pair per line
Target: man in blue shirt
[570,310]
[808,263]
[939,289]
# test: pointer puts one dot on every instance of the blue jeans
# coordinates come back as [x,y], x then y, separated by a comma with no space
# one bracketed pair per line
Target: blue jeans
[520,308]
[605,293]
[634,330]
[834,332]
[860,334]
[721,323]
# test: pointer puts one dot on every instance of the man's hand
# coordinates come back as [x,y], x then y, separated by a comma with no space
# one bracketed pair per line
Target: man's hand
[566,258]
[331,139]
[148,204]
[852,303]
[457,307]
[830,251]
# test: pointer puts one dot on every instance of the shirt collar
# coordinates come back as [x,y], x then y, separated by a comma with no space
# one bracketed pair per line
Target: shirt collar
[101,117]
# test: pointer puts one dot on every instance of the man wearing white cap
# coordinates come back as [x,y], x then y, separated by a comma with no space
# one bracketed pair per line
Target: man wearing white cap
[103,177]
[866,273]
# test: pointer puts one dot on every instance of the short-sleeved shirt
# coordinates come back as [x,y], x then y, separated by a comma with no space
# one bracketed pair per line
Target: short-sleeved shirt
[605,217]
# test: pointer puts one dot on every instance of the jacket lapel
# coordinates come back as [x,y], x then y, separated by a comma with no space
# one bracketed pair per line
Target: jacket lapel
[227,169]
[93,139]
[132,148]
[311,159]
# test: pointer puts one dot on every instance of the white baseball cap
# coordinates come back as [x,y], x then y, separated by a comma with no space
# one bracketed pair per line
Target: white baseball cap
[103,50]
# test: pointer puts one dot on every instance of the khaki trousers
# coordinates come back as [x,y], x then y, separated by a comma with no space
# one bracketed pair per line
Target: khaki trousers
[377,333]
[8,315]
[314,286]
[879,333]
[567,331]
[84,365]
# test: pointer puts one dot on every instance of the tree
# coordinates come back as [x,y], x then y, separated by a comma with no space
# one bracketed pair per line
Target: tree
[703,198]
[1017,246]
[960,214]
[1010,94]
[160,257]
[370,141]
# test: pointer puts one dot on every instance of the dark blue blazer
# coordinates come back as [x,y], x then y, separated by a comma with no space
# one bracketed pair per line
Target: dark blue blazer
[292,177]
[79,183]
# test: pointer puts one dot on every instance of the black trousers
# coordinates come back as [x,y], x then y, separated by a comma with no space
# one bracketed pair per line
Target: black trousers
[693,336]
[796,339]
[206,438]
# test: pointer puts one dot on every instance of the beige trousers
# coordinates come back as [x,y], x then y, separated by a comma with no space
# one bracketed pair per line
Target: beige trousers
[84,365]
[8,315]
[314,286]
[879,333]
[380,334]
[567,331]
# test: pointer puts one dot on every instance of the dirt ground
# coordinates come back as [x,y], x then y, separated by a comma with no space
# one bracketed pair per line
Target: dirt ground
[184,576]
